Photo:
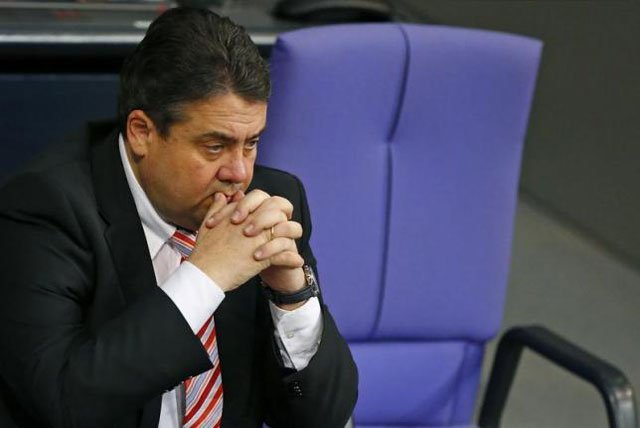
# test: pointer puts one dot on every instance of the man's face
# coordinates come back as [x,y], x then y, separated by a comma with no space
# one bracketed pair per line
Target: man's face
[212,150]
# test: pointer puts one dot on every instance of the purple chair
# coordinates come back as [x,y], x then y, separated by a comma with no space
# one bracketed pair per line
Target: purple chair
[408,139]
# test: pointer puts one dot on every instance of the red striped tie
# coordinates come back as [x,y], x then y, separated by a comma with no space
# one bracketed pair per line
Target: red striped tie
[203,393]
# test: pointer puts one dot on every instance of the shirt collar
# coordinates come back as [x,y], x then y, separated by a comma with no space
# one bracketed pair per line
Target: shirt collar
[156,230]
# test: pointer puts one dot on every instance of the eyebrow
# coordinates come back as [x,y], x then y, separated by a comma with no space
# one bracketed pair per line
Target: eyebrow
[225,138]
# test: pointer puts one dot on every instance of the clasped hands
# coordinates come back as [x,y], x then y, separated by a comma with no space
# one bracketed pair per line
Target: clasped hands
[249,235]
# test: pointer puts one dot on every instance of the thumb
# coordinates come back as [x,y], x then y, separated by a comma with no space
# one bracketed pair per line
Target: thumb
[219,202]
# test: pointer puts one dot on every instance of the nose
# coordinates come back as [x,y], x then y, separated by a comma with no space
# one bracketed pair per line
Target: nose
[233,169]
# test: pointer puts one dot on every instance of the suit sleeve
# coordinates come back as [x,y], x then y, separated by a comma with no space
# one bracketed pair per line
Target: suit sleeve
[325,392]
[62,370]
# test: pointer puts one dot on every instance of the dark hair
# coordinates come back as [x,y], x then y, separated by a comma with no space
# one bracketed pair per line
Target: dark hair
[189,55]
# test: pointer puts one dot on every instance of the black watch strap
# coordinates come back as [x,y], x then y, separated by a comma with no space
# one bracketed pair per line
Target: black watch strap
[309,291]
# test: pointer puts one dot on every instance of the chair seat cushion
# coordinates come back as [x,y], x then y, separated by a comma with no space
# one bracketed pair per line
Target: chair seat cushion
[416,384]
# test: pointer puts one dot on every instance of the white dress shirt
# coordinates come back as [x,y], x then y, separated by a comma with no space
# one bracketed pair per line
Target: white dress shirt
[197,296]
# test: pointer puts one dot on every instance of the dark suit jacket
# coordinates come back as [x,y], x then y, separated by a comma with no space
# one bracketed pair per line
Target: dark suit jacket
[87,339]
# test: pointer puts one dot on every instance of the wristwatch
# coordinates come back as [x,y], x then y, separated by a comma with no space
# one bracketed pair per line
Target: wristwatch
[310,290]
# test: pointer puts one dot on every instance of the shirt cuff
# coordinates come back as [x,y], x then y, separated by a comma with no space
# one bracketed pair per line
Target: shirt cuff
[298,332]
[195,294]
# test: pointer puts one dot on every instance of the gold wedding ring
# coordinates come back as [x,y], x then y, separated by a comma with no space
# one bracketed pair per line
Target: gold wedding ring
[271,233]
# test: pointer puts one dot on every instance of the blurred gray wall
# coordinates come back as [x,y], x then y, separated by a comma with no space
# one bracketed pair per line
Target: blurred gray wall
[582,156]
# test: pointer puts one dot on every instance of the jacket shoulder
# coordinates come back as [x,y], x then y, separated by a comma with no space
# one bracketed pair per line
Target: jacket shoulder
[53,193]
[268,177]
[279,183]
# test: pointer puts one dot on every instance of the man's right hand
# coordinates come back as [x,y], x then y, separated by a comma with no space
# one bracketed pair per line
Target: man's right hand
[225,253]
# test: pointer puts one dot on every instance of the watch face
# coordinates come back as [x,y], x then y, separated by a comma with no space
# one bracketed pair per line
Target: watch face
[309,276]
[311,280]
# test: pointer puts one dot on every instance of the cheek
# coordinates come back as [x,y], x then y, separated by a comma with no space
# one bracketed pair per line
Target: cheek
[249,165]
[187,180]
[199,179]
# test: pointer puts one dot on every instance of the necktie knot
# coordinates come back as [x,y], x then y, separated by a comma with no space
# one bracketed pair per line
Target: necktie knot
[184,242]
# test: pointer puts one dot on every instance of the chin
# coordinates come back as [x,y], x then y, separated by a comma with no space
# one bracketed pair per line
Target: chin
[188,223]
[198,218]
[194,224]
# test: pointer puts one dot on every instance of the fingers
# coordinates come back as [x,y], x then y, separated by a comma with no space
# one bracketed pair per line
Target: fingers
[264,221]
[289,229]
[273,211]
[281,204]
[248,204]
[215,217]
[238,196]
[210,220]
[219,202]
[280,252]
[259,201]
[287,259]
[283,239]
[269,211]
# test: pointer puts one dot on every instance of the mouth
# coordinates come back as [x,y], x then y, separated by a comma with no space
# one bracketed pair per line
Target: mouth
[230,195]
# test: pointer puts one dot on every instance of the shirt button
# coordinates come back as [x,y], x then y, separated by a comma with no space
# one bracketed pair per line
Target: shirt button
[290,335]
[295,389]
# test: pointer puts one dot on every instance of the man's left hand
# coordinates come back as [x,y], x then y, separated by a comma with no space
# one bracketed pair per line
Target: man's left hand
[270,215]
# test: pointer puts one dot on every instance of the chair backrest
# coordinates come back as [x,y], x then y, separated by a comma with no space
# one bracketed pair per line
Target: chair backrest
[408,139]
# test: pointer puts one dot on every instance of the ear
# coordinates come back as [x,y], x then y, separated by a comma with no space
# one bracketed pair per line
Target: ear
[140,132]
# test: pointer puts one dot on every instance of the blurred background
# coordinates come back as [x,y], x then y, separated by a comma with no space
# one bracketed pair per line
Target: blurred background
[576,250]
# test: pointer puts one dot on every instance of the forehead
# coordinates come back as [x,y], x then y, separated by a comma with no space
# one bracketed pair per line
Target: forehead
[224,112]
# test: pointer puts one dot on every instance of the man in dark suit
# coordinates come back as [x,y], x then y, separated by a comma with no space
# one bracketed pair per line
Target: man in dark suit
[105,298]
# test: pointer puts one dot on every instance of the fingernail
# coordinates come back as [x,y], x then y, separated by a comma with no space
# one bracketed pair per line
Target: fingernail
[249,228]
[235,216]
[258,254]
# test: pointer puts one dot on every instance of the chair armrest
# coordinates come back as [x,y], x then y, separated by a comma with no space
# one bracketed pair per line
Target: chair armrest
[615,389]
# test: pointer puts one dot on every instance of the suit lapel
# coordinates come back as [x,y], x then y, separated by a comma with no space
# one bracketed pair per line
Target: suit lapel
[124,233]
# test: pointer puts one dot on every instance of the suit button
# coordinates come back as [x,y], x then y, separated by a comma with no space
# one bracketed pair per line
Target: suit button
[295,389]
